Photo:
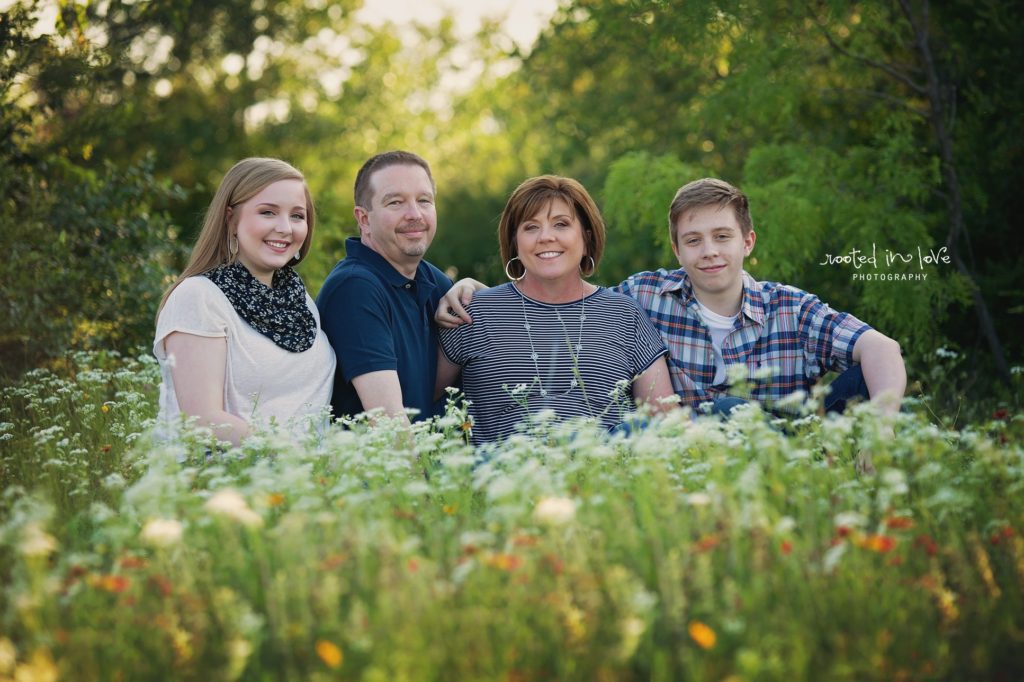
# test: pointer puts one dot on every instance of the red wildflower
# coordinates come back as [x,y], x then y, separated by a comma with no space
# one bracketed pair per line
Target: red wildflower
[1005,533]
[899,522]
[105,448]
[133,562]
[1002,413]
[555,564]
[927,544]
[162,585]
[706,543]
[786,547]
[843,531]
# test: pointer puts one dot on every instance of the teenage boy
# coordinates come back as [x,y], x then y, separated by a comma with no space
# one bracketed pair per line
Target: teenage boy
[713,315]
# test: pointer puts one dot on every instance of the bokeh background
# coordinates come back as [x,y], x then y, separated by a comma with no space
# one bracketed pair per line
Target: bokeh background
[851,125]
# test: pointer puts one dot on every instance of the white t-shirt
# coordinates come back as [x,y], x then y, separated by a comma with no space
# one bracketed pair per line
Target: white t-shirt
[719,326]
[261,380]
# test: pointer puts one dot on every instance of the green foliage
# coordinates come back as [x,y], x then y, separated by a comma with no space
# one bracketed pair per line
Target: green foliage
[637,194]
[811,204]
[695,549]
[86,263]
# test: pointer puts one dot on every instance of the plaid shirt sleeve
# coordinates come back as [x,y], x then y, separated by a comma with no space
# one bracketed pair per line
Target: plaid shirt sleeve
[828,335]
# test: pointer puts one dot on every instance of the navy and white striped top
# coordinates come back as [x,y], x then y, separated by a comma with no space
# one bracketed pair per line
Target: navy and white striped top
[618,343]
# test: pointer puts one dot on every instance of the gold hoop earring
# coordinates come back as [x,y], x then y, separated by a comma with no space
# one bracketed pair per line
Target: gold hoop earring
[592,268]
[509,264]
[233,246]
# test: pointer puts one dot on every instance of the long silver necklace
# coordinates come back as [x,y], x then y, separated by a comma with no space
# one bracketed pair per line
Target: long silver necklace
[574,353]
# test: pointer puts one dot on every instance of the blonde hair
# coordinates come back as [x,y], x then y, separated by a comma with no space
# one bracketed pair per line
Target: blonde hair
[246,179]
[536,193]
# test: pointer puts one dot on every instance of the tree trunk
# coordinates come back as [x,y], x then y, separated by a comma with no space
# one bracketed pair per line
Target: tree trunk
[937,118]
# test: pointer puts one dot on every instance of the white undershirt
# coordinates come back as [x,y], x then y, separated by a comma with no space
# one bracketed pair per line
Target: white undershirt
[719,326]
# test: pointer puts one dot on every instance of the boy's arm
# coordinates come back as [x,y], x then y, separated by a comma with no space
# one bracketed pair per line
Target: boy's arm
[881,362]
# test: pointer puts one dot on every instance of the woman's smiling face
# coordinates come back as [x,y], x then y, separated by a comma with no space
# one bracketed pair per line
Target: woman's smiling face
[550,243]
[271,228]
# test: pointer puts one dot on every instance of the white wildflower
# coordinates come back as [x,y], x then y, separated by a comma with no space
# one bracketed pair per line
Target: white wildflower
[850,519]
[36,542]
[162,532]
[555,511]
[232,505]
[698,499]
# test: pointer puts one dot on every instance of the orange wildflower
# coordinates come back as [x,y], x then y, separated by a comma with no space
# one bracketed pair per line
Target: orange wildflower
[106,448]
[332,561]
[329,653]
[706,543]
[504,562]
[877,543]
[450,509]
[786,546]
[524,540]
[275,500]
[412,565]
[704,636]
[899,522]
[111,583]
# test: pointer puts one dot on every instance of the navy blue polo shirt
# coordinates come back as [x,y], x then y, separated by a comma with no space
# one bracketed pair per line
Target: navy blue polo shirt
[377,319]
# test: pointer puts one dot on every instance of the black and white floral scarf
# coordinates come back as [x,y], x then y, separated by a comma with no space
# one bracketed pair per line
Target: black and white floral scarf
[279,312]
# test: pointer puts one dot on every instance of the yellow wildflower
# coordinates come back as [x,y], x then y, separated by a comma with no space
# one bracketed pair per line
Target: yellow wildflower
[703,635]
[329,653]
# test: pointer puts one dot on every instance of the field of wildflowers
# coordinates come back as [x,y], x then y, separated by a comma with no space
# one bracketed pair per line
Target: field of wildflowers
[691,550]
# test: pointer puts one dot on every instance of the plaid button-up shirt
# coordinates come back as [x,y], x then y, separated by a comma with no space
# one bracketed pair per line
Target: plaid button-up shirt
[781,329]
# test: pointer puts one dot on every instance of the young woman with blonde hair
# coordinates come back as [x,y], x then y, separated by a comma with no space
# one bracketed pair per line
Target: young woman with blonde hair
[237,337]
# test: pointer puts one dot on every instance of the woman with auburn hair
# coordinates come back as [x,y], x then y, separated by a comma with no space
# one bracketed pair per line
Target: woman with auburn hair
[237,336]
[549,339]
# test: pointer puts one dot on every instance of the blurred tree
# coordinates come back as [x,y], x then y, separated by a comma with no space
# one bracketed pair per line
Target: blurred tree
[86,254]
[831,116]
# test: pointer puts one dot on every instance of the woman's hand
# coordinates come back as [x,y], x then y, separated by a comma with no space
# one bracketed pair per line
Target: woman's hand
[451,311]
[198,371]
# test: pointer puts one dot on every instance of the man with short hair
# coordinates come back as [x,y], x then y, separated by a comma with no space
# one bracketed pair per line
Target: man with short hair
[713,315]
[377,305]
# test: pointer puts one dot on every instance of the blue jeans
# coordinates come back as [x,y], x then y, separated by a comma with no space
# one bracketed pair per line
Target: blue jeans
[847,386]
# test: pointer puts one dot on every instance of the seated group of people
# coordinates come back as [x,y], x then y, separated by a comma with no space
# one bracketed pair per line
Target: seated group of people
[241,343]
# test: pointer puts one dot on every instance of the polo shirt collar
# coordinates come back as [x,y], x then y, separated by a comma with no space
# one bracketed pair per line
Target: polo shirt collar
[355,248]
[753,306]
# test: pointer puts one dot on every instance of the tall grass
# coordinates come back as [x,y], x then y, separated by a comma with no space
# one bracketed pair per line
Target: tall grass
[694,549]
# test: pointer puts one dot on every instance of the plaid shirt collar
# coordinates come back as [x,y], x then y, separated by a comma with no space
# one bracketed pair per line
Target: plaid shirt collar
[755,301]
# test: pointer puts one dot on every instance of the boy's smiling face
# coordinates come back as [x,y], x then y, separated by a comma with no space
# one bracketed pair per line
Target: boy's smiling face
[710,245]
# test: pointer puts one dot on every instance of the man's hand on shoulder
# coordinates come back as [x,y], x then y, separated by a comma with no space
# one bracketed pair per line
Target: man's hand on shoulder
[451,311]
